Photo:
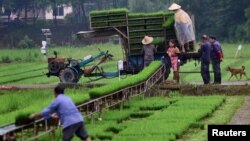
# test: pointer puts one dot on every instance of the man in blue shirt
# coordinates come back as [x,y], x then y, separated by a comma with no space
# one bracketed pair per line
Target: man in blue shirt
[216,58]
[71,119]
[205,51]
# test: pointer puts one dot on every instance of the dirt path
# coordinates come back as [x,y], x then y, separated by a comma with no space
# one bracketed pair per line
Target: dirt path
[47,86]
[242,82]
[242,115]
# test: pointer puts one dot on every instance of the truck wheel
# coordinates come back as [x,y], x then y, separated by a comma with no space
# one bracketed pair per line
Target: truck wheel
[68,75]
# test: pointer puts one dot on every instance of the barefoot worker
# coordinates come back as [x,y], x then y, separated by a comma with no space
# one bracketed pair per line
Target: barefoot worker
[173,52]
[71,119]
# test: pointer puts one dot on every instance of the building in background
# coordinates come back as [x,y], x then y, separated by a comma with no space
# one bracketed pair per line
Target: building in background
[60,12]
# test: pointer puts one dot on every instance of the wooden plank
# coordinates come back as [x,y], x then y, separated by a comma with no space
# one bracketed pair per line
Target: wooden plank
[120,32]
[109,21]
[193,72]
[143,30]
[144,18]
[110,14]
[145,24]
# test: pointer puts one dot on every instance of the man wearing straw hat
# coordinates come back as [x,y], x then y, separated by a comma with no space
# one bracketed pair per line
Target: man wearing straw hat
[183,25]
[148,50]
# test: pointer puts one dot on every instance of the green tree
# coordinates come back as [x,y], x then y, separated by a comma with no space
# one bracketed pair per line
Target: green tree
[148,5]
[54,4]
[79,11]
[220,18]
[37,6]
[242,32]
[20,6]
[247,25]
[8,6]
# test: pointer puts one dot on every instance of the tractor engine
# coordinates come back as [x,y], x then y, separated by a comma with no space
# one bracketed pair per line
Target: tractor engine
[55,65]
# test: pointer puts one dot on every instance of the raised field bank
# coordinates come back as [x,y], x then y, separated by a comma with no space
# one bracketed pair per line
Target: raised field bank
[133,104]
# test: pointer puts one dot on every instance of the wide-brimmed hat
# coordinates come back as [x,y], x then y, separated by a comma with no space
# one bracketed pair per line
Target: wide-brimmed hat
[147,40]
[174,6]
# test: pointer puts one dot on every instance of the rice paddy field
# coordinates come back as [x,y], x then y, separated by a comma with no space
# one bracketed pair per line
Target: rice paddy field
[230,60]
[167,118]
[29,66]
[32,67]
[160,118]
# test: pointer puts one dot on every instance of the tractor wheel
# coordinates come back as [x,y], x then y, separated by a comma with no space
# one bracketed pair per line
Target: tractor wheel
[54,67]
[68,75]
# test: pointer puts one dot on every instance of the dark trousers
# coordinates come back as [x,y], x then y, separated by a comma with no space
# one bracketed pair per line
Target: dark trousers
[205,72]
[217,71]
[147,62]
[79,129]
[167,62]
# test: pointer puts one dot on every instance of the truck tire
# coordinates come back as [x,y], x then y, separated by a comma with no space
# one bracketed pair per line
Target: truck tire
[68,75]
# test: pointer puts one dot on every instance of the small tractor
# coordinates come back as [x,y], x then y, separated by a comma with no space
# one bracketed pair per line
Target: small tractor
[70,70]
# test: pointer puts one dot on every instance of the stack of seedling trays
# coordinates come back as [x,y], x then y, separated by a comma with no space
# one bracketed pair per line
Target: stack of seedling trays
[159,25]
[108,18]
[151,24]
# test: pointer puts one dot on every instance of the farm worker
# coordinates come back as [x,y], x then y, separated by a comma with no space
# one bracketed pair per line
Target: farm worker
[44,48]
[205,50]
[173,52]
[148,50]
[183,26]
[216,58]
[71,119]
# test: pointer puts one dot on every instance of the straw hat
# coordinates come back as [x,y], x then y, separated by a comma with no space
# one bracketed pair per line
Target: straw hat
[174,6]
[147,40]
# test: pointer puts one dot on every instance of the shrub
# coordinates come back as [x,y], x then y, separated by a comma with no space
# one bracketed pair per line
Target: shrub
[6,59]
[26,42]
[71,18]
[18,59]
